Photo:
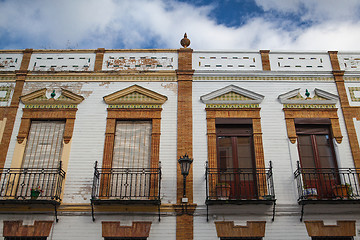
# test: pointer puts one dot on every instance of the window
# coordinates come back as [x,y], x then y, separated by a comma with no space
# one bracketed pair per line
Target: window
[317,156]
[236,163]
[132,146]
[44,145]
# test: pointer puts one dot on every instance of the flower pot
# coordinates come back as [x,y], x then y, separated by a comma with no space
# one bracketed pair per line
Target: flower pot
[34,194]
[310,193]
[341,191]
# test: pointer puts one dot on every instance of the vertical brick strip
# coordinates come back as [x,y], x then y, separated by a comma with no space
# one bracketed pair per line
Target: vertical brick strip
[348,112]
[10,112]
[99,59]
[184,223]
[265,60]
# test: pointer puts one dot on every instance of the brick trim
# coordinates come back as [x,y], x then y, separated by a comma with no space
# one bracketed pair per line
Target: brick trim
[17,229]
[136,230]
[99,58]
[265,60]
[229,229]
[38,114]
[341,229]
[291,114]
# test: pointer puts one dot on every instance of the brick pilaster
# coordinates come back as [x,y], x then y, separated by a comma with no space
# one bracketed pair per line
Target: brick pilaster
[348,111]
[10,112]
[99,59]
[184,222]
[265,60]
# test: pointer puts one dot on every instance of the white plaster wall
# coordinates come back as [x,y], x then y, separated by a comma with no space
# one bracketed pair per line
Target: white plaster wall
[87,143]
[296,61]
[80,226]
[278,149]
[10,61]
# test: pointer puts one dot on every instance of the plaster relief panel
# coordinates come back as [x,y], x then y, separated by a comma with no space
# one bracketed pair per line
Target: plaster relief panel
[156,61]
[10,62]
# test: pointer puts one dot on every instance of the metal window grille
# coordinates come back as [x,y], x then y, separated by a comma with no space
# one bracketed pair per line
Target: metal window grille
[242,238]
[132,144]
[123,238]
[44,144]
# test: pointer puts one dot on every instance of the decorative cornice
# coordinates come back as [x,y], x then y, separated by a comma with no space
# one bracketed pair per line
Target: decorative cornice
[232,95]
[294,98]
[135,97]
[260,78]
[59,98]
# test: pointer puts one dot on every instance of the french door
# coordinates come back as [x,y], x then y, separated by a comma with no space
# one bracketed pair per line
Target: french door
[317,159]
[236,161]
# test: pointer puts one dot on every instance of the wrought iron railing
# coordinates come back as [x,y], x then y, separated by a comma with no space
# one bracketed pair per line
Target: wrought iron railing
[239,184]
[31,183]
[327,184]
[126,184]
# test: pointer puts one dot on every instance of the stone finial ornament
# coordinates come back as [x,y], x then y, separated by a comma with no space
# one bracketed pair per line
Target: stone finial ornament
[185,42]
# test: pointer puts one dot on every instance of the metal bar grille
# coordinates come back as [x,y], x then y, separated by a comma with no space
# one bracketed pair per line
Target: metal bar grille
[132,146]
[239,184]
[127,183]
[21,183]
[327,184]
[44,144]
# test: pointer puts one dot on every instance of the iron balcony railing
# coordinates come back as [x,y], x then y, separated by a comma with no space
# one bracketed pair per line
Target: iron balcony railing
[126,184]
[22,184]
[327,184]
[239,184]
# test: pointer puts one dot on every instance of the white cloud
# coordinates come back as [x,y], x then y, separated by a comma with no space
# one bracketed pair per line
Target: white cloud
[162,23]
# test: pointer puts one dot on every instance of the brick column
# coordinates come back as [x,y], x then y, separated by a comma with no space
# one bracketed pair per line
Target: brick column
[348,112]
[184,219]
[99,59]
[265,60]
[10,112]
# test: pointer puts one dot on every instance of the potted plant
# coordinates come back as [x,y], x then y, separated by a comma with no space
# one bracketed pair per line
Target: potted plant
[310,192]
[222,191]
[35,192]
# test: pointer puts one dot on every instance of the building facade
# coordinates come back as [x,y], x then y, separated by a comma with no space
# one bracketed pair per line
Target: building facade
[92,140]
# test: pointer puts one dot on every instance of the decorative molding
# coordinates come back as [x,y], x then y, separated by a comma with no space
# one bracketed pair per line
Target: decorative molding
[352,91]
[341,229]
[17,229]
[181,209]
[52,98]
[330,113]
[295,98]
[262,78]
[308,106]
[8,90]
[232,95]
[227,229]
[232,105]
[136,230]
[109,77]
[135,96]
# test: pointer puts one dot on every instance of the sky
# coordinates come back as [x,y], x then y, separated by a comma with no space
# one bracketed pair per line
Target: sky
[209,24]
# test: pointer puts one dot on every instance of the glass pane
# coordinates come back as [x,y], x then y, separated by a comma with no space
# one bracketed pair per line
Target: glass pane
[225,152]
[244,152]
[326,158]
[306,152]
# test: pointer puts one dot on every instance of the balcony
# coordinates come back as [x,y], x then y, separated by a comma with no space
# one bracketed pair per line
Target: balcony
[126,186]
[31,186]
[240,186]
[327,186]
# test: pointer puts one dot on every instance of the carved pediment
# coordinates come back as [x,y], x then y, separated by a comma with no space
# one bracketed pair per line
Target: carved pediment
[318,96]
[135,95]
[232,95]
[51,97]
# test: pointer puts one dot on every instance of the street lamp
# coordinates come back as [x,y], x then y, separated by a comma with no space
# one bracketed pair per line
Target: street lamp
[185,163]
